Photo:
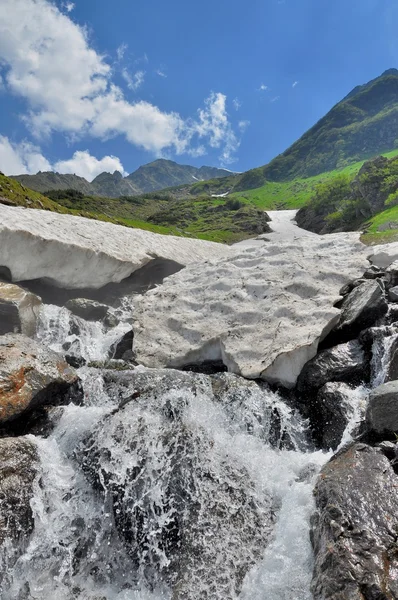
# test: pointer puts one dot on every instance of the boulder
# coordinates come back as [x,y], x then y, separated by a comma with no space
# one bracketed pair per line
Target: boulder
[345,362]
[19,464]
[373,272]
[89,310]
[262,312]
[75,252]
[361,308]
[189,515]
[31,376]
[393,294]
[334,410]
[382,410]
[354,529]
[123,348]
[19,310]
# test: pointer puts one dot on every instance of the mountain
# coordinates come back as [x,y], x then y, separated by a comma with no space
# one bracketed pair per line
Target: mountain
[363,124]
[154,176]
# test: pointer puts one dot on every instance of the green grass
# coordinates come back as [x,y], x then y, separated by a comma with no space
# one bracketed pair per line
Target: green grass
[373,235]
[294,194]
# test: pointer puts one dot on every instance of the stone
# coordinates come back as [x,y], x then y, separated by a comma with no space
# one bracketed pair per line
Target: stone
[123,348]
[363,306]
[262,312]
[89,310]
[391,275]
[175,492]
[393,294]
[19,310]
[75,252]
[373,272]
[382,410]
[31,376]
[354,528]
[334,411]
[346,289]
[345,362]
[19,465]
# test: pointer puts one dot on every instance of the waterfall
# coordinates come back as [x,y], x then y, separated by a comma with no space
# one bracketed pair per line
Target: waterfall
[76,551]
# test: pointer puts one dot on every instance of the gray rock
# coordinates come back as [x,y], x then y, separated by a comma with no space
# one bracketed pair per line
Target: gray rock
[334,411]
[373,272]
[354,529]
[382,410]
[177,495]
[393,294]
[31,376]
[19,310]
[346,289]
[123,348]
[89,310]
[363,306]
[345,362]
[392,274]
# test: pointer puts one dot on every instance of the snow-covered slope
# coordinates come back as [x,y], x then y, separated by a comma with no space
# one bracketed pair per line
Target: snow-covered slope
[262,312]
[75,252]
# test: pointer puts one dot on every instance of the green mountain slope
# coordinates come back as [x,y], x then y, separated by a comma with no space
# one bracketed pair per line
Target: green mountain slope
[156,175]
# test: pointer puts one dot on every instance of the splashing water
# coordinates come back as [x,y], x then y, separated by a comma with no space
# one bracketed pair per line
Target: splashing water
[76,552]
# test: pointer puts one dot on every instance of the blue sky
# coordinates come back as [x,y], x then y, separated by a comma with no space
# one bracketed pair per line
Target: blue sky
[93,85]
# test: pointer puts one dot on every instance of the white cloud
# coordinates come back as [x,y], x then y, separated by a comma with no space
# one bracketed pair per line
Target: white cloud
[121,51]
[294,84]
[25,158]
[68,6]
[236,103]
[133,81]
[263,88]
[275,99]
[160,73]
[17,159]
[243,125]
[85,165]
[47,59]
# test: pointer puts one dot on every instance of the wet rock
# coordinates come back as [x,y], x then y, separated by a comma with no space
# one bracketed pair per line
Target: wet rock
[354,529]
[334,411]
[123,348]
[382,410]
[363,306]
[393,294]
[19,464]
[176,493]
[89,310]
[345,362]
[31,376]
[19,310]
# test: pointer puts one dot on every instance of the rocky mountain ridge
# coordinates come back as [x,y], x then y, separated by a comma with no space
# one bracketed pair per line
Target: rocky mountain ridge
[156,175]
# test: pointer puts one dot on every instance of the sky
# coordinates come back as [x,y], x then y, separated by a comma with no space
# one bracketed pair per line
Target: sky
[92,85]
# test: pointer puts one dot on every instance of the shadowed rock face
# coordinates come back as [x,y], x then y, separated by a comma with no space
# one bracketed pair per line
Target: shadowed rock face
[355,527]
[32,376]
[188,515]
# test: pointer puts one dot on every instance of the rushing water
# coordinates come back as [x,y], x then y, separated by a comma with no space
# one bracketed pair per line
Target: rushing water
[75,552]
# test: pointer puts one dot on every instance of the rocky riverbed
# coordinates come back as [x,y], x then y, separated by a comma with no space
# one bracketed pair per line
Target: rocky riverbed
[229,433]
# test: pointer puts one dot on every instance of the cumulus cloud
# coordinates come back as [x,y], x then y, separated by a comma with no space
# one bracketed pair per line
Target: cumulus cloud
[133,81]
[243,125]
[17,159]
[236,103]
[263,88]
[84,164]
[68,6]
[47,59]
[25,158]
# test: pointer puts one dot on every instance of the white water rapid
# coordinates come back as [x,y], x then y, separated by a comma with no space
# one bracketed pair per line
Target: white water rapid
[74,551]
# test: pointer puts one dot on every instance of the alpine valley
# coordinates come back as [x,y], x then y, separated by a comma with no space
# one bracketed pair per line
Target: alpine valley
[183,419]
